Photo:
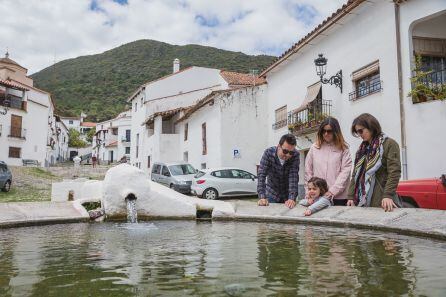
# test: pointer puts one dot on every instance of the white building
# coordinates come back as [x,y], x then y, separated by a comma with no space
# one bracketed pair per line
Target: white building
[366,40]
[226,128]
[159,104]
[25,127]
[83,127]
[112,139]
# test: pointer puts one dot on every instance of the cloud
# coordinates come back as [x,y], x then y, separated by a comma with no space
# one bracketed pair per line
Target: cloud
[38,33]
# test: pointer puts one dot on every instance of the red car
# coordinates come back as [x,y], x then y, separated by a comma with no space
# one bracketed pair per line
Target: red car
[423,193]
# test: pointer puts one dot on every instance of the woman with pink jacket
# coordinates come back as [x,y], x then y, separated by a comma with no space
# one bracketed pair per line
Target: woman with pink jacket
[329,158]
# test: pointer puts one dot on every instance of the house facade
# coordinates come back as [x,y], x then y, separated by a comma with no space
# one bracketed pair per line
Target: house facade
[159,109]
[112,139]
[375,60]
[226,128]
[26,117]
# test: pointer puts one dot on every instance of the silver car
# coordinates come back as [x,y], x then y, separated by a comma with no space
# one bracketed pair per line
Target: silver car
[5,177]
[175,175]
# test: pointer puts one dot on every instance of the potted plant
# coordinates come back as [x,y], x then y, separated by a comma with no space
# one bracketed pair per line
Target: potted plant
[423,88]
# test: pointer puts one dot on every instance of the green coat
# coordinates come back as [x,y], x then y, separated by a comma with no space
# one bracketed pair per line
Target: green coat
[387,177]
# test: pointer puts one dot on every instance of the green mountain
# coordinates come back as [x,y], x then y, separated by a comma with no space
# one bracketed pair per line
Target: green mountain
[100,84]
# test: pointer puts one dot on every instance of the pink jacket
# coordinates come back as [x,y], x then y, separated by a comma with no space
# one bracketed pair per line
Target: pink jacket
[331,164]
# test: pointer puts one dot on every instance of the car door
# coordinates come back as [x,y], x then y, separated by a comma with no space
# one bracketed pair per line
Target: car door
[164,176]
[246,183]
[223,182]
[441,193]
[3,174]
[156,172]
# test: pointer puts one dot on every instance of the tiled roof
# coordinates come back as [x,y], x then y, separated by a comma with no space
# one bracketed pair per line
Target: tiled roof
[164,114]
[10,84]
[202,102]
[241,79]
[327,23]
[88,124]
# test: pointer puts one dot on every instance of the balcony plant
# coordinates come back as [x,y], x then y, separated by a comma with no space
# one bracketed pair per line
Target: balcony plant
[423,88]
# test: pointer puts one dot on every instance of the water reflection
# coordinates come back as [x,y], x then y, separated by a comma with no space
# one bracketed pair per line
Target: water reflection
[216,259]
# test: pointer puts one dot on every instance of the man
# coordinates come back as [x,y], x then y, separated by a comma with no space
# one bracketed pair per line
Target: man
[281,165]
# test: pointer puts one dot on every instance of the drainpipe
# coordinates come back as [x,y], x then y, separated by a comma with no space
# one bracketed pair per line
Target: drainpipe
[400,90]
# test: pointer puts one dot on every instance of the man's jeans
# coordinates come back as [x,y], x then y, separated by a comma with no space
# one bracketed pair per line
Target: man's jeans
[272,200]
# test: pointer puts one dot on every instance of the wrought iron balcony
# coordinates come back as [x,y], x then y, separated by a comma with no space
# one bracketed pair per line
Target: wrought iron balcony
[17,132]
[12,101]
[308,120]
[429,86]
[362,91]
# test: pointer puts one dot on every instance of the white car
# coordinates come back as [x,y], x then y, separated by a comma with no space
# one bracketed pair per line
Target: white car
[224,182]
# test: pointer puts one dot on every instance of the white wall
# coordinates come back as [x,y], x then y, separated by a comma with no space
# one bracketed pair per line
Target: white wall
[35,122]
[235,120]
[244,127]
[424,121]
[359,41]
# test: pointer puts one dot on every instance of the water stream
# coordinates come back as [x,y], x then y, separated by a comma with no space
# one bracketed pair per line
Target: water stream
[132,216]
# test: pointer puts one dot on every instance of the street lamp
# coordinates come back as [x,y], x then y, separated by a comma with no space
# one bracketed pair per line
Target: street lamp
[6,103]
[321,69]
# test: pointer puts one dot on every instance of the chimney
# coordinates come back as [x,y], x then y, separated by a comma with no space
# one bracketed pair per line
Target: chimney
[176,65]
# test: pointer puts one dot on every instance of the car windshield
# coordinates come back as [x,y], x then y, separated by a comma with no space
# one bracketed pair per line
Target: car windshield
[182,169]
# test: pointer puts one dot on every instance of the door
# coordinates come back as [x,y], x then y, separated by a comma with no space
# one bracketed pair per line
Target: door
[164,176]
[2,176]
[111,156]
[223,182]
[16,126]
[441,193]
[248,183]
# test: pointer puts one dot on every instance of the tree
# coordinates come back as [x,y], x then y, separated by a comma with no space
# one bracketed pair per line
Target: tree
[74,139]
[90,134]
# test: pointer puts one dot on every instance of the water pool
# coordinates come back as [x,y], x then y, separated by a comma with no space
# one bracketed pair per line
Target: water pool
[188,258]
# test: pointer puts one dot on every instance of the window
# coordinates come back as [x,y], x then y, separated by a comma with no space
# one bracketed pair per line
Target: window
[165,171]
[222,174]
[366,81]
[70,122]
[156,169]
[186,128]
[115,131]
[137,145]
[14,152]
[183,169]
[127,135]
[186,156]
[127,150]
[281,117]
[148,161]
[136,106]
[203,139]
[203,165]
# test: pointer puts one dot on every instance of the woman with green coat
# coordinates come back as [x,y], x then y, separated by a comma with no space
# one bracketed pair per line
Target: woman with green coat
[377,168]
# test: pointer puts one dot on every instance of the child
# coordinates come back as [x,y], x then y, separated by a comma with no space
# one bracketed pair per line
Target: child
[316,201]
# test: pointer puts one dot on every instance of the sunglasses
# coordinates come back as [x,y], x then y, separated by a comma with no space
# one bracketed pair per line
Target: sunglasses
[359,131]
[285,151]
[327,131]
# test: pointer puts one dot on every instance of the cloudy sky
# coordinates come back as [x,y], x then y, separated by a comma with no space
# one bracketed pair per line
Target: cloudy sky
[39,32]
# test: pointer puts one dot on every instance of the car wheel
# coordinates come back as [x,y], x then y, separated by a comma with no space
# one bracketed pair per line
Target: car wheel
[210,194]
[408,205]
[7,186]
[171,186]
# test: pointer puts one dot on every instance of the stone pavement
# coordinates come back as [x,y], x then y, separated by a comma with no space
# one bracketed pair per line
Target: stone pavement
[411,221]
[15,214]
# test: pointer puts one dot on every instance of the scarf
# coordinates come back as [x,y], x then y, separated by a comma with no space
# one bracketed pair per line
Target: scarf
[367,161]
